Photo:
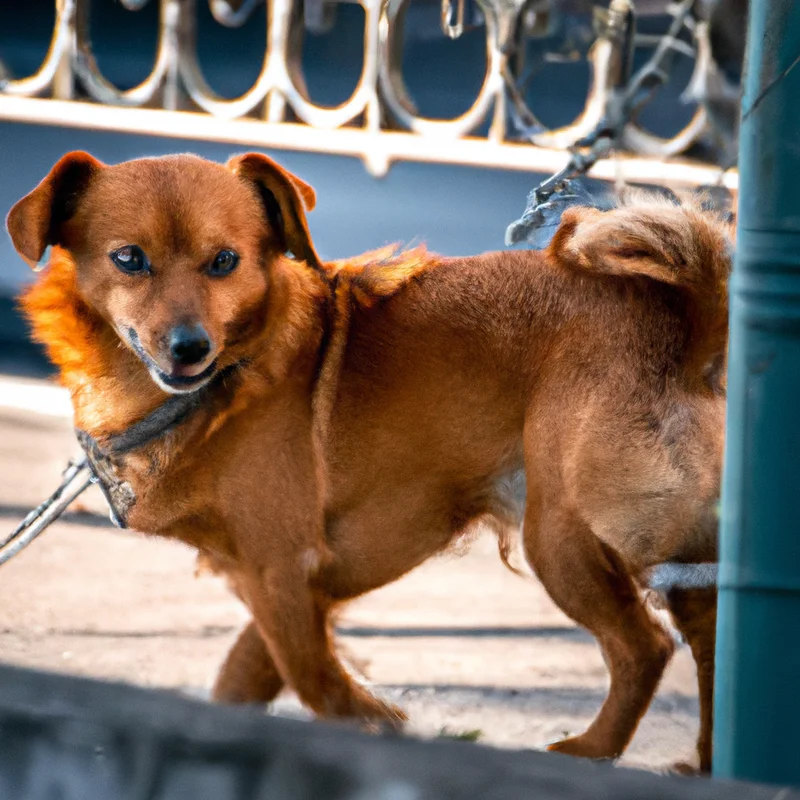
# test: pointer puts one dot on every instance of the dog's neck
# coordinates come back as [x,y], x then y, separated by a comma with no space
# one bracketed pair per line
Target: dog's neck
[109,386]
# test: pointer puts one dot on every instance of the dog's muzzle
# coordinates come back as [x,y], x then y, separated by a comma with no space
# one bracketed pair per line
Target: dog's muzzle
[188,346]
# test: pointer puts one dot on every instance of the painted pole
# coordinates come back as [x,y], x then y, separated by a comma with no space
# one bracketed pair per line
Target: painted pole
[757,702]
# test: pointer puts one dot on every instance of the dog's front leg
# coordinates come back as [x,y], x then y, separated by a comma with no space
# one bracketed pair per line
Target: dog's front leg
[249,674]
[293,622]
[280,547]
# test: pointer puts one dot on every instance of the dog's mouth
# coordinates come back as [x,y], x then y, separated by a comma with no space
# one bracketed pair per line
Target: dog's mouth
[188,382]
[180,380]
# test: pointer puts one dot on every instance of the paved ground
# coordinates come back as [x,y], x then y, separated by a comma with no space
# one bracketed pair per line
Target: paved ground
[461,643]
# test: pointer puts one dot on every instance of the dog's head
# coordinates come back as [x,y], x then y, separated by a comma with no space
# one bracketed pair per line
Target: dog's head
[173,253]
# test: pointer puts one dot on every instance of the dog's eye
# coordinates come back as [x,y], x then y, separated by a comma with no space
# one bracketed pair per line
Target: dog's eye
[224,263]
[130,259]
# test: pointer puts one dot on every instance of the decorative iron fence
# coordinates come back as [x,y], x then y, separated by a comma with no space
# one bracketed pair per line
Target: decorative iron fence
[379,122]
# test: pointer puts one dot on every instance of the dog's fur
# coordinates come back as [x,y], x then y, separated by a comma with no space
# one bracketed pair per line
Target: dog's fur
[386,404]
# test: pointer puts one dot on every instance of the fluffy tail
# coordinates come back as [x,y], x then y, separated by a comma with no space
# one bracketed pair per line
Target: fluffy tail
[682,246]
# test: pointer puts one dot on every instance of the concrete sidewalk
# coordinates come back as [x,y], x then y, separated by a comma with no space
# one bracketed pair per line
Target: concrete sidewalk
[462,644]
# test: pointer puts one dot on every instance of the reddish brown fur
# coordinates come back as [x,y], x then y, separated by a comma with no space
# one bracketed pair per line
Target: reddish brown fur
[391,401]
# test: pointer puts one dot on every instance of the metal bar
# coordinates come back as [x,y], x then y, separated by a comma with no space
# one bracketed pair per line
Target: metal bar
[757,730]
[377,152]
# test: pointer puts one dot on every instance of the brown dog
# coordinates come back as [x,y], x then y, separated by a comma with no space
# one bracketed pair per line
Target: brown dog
[350,420]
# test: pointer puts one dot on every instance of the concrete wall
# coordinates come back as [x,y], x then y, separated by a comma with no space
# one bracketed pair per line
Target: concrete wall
[75,739]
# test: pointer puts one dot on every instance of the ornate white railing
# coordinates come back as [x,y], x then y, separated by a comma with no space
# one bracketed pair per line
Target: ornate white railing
[378,123]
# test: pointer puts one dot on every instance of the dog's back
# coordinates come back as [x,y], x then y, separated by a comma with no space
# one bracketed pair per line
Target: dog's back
[648,280]
[605,348]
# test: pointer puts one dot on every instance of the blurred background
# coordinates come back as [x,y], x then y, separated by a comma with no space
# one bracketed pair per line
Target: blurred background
[414,120]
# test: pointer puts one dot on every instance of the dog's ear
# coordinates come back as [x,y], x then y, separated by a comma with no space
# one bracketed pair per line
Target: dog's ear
[286,199]
[34,223]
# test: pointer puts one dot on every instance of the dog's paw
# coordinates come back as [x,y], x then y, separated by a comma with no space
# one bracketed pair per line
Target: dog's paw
[581,747]
[386,727]
[687,769]
[376,715]
[385,717]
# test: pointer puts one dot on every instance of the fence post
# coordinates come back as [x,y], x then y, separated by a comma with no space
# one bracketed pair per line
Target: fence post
[757,730]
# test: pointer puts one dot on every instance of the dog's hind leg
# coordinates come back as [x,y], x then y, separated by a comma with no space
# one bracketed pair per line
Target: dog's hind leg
[695,615]
[249,674]
[590,583]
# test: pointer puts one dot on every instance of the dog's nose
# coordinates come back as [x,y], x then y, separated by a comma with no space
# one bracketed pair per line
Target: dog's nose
[189,344]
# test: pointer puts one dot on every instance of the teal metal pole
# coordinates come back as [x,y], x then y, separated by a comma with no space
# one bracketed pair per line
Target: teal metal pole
[757,701]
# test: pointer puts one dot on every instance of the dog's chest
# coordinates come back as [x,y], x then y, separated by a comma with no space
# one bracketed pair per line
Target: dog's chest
[148,495]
